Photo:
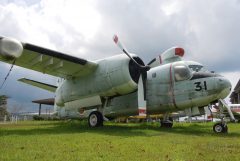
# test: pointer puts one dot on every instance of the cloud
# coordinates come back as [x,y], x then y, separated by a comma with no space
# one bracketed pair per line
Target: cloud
[66,26]
[207,30]
[234,77]
[214,26]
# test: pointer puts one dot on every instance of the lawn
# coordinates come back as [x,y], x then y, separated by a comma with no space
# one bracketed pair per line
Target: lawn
[74,140]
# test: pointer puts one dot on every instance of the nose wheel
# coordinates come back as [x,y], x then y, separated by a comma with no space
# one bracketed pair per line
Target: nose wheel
[220,127]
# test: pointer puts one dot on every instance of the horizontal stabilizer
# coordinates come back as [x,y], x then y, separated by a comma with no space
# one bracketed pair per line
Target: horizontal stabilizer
[45,86]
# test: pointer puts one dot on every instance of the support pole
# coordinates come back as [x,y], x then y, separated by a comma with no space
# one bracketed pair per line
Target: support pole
[238,101]
[40,107]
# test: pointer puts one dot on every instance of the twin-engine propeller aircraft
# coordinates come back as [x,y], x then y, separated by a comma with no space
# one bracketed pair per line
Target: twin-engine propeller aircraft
[121,85]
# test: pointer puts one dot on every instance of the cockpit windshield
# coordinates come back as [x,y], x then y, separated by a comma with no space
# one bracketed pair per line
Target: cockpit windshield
[198,68]
[195,68]
[181,72]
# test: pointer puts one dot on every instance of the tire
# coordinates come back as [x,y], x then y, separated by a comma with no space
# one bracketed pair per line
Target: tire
[166,124]
[220,128]
[95,119]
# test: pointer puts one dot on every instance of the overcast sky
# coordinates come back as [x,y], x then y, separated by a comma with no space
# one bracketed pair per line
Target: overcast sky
[207,30]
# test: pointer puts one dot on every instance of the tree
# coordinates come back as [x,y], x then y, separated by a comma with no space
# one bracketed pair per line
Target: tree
[3,105]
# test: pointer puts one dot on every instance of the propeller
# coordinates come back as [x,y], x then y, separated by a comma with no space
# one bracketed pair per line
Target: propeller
[142,79]
[121,46]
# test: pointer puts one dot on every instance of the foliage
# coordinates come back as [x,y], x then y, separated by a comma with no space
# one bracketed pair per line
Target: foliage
[74,140]
[37,117]
[3,107]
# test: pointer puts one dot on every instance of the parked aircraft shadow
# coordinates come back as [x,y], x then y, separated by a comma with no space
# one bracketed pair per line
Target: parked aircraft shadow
[112,129]
[193,129]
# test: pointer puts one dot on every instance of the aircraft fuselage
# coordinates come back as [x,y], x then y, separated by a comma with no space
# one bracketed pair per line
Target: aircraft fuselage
[169,87]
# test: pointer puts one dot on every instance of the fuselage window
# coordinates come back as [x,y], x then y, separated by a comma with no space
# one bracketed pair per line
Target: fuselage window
[181,72]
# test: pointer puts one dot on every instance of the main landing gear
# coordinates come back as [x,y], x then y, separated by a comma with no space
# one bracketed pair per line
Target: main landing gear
[167,121]
[95,119]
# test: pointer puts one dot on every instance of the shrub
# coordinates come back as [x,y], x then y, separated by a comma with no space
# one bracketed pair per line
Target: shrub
[36,117]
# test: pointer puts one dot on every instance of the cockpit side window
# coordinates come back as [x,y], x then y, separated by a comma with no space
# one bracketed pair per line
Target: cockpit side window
[181,72]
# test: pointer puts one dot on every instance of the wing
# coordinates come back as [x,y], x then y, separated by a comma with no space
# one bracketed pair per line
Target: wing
[44,60]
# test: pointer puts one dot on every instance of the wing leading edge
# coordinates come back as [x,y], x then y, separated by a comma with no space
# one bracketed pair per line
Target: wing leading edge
[49,61]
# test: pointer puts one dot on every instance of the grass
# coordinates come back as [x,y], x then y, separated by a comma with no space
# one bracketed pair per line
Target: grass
[74,140]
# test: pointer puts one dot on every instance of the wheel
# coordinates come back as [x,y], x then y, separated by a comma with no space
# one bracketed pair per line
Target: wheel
[166,124]
[220,128]
[95,119]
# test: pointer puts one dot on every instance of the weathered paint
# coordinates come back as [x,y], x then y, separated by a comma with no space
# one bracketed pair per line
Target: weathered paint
[165,94]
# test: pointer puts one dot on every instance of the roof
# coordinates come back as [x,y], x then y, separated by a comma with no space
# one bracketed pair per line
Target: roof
[49,101]
[237,87]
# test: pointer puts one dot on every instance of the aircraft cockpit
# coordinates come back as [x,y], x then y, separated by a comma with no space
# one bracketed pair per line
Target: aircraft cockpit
[199,71]
[196,67]
[189,70]
[181,72]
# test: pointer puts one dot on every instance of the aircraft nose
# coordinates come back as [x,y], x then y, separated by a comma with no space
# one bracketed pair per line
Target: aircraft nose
[225,87]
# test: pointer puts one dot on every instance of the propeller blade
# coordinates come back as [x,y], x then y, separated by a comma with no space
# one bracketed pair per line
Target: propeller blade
[142,104]
[121,46]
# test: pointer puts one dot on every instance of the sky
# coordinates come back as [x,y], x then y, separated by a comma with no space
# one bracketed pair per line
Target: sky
[207,30]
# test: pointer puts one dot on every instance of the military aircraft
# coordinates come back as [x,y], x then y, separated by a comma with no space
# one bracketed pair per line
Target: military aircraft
[121,85]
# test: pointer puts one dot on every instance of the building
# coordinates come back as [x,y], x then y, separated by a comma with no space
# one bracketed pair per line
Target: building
[235,95]
[235,100]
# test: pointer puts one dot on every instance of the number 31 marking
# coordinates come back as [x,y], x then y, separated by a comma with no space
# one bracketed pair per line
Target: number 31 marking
[199,86]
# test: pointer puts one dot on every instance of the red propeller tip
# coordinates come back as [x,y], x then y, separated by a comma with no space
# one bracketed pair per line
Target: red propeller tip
[115,38]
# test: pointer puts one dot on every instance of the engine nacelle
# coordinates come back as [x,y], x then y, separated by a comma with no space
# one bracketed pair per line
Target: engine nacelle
[120,74]
[10,48]
[117,75]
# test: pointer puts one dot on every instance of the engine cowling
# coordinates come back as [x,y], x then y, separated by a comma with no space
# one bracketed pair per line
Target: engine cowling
[117,75]
[10,48]
[120,75]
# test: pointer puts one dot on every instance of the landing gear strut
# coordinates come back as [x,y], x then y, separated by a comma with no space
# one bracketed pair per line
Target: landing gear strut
[167,121]
[95,119]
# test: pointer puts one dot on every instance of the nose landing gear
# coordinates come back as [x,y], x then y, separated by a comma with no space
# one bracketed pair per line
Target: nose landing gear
[222,127]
